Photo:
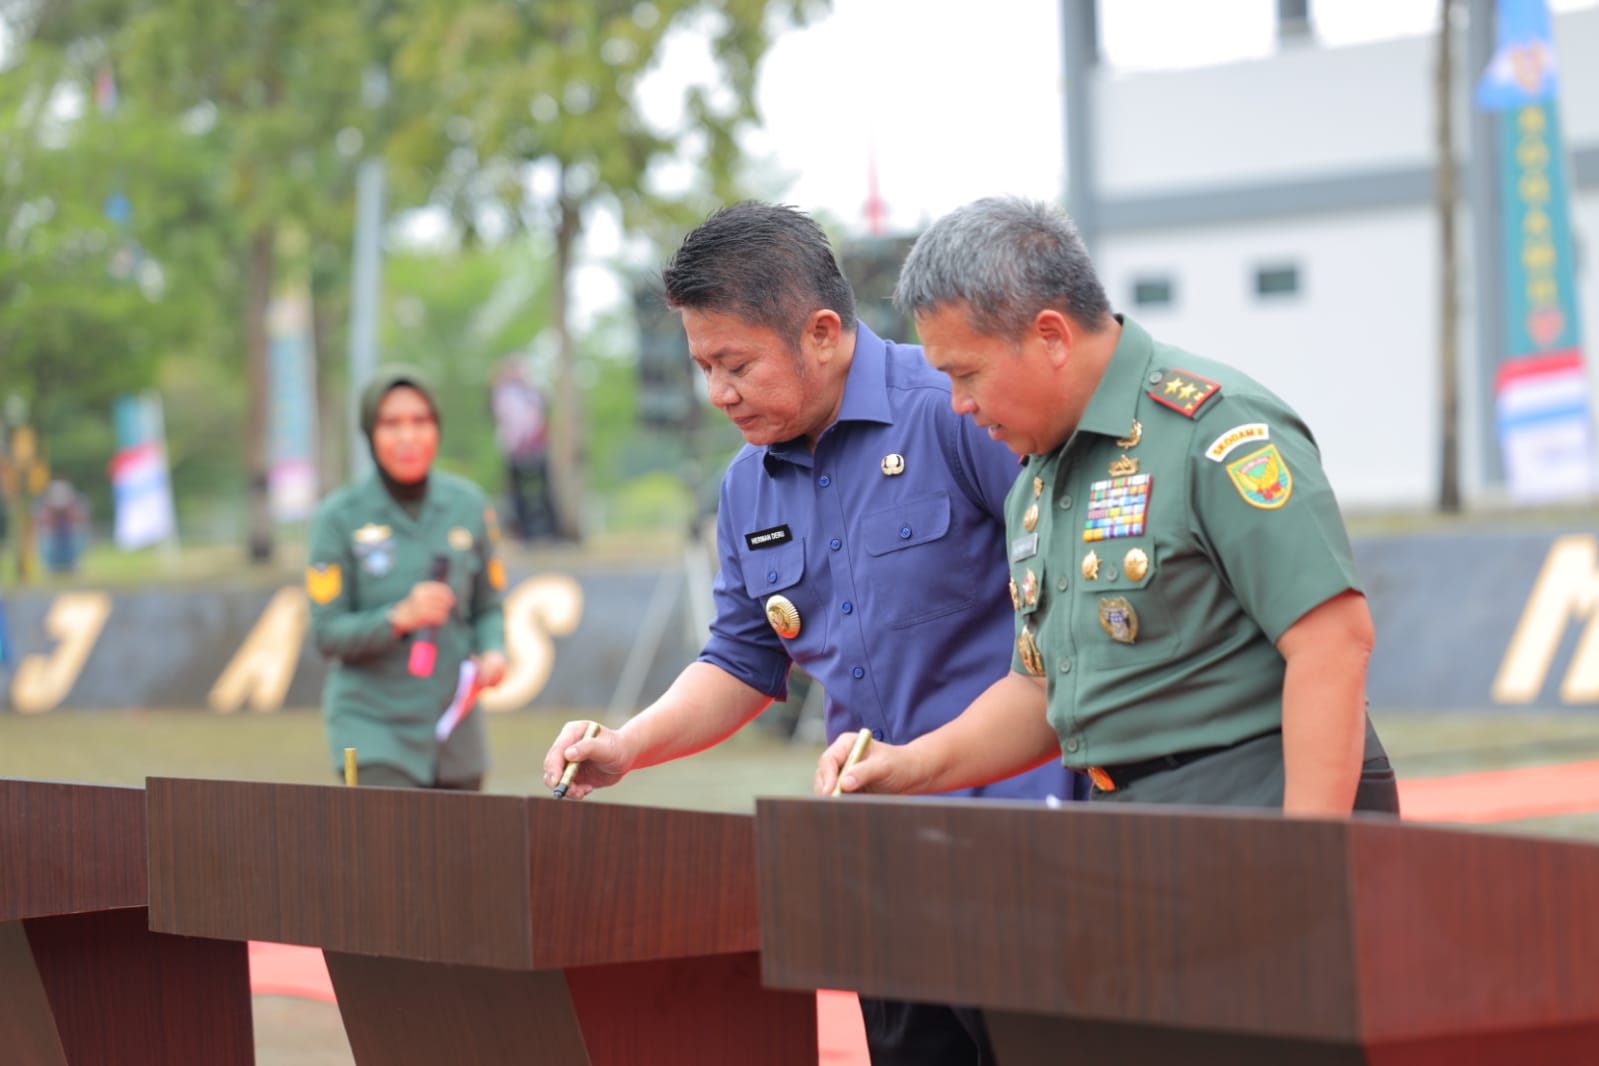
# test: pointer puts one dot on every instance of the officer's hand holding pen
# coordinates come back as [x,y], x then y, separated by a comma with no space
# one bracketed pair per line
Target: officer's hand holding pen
[601,758]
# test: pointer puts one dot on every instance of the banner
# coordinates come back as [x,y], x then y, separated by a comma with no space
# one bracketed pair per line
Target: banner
[1541,391]
[141,489]
[292,477]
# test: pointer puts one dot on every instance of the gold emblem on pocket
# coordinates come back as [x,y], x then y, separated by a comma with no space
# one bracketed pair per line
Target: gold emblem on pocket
[1091,566]
[1118,618]
[1135,564]
[1030,518]
[1031,657]
[784,616]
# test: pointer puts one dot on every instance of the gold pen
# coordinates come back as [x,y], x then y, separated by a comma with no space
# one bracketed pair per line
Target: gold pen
[858,749]
[592,731]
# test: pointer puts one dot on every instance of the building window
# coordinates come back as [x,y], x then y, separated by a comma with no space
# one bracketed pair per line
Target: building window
[1275,282]
[1152,292]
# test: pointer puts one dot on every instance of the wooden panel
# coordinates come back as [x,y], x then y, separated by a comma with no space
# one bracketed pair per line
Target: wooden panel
[124,995]
[434,876]
[688,1012]
[1461,931]
[1233,921]
[66,848]
[27,1028]
[1039,1040]
[616,883]
[403,1013]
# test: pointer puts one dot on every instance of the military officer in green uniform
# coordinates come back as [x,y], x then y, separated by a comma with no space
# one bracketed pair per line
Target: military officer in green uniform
[404,583]
[1190,626]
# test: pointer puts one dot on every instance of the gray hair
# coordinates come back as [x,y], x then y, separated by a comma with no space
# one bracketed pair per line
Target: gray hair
[1006,259]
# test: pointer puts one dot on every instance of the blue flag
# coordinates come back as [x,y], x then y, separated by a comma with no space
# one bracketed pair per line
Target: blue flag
[5,638]
[1522,70]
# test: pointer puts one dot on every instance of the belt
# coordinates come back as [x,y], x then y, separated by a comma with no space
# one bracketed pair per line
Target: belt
[1112,778]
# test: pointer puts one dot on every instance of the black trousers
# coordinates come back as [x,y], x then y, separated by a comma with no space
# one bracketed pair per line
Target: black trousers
[924,1034]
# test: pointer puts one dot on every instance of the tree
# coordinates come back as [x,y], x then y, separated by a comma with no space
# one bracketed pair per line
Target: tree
[551,89]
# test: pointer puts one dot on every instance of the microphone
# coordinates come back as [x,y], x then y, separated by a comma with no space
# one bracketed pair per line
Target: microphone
[425,651]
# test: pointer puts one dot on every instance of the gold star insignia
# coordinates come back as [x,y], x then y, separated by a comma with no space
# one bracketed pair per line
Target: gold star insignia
[1173,385]
[1187,391]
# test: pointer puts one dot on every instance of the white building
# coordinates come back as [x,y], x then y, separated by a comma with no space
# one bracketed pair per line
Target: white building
[1278,214]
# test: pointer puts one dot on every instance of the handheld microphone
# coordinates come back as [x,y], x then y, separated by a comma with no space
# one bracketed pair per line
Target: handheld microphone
[425,651]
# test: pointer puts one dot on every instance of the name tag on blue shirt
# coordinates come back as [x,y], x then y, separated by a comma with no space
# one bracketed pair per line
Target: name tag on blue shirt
[768,538]
[1024,547]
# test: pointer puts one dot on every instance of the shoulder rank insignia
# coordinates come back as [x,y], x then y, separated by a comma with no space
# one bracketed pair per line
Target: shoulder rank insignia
[323,582]
[1183,392]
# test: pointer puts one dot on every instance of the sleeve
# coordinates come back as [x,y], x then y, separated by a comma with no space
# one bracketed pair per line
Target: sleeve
[986,466]
[338,629]
[742,642]
[488,612]
[1264,509]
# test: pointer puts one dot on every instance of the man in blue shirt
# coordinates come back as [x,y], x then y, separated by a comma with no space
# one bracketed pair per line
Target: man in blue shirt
[861,535]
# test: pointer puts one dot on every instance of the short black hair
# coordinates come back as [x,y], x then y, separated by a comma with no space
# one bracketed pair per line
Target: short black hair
[768,264]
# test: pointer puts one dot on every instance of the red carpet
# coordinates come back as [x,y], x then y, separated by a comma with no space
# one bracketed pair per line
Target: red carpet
[1494,796]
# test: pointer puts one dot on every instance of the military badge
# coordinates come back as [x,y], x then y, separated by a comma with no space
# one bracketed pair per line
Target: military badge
[1038,487]
[1030,590]
[893,465]
[1091,566]
[1030,518]
[784,617]
[323,583]
[1134,435]
[1135,564]
[461,539]
[1123,467]
[1183,392]
[496,574]
[1262,478]
[372,533]
[1031,657]
[1118,507]
[1015,600]
[374,546]
[1117,617]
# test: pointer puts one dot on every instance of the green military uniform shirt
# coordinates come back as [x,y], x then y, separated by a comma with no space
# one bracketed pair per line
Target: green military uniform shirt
[1157,556]
[366,554]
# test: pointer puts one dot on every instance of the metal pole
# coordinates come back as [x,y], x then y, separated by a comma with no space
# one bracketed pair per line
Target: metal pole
[1079,24]
[1482,189]
[366,280]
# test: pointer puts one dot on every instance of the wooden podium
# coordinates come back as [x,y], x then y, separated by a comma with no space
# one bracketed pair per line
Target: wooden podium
[1145,936]
[82,979]
[489,929]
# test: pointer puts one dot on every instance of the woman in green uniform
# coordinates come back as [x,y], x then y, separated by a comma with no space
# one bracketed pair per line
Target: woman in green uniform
[405,584]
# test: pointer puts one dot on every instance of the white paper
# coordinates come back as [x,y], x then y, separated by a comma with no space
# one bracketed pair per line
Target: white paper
[460,704]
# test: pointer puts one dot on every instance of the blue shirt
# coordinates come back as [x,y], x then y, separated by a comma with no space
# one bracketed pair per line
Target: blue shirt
[900,579]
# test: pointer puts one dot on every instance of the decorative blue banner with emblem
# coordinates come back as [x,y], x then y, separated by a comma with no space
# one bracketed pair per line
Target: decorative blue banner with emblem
[1541,390]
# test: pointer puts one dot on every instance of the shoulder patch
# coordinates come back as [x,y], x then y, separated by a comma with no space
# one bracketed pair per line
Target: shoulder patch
[323,583]
[1182,391]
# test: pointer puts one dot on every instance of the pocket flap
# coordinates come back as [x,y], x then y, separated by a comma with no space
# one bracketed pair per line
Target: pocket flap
[769,570]
[906,524]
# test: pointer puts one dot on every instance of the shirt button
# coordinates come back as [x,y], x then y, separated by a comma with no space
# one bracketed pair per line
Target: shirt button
[835,544]
[824,481]
[771,576]
[858,673]
[1155,376]
[904,532]
[848,607]
[1065,666]
[1108,573]
[1062,584]
[1071,744]
[877,734]
[1066,503]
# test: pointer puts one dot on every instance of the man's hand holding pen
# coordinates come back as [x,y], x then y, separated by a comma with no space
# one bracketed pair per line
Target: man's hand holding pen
[878,767]
[602,759]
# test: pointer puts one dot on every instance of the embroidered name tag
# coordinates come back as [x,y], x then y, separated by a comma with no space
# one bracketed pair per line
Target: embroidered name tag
[768,538]
[1024,547]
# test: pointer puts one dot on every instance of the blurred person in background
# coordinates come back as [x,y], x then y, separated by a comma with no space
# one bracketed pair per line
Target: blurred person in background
[62,518]
[861,535]
[521,434]
[405,582]
[1190,626]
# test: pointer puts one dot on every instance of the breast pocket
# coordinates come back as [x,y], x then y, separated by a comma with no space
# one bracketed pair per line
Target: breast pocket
[1135,621]
[916,573]
[775,579]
